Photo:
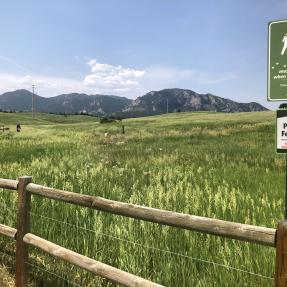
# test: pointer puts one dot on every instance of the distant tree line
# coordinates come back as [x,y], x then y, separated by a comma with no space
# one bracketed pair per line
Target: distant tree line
[9,111]
[110,119]
[73,114]
[102,119]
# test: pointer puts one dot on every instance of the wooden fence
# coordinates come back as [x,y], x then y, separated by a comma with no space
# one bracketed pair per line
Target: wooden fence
[255,234]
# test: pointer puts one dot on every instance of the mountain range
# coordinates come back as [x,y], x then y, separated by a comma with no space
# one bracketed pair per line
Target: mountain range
[152,103]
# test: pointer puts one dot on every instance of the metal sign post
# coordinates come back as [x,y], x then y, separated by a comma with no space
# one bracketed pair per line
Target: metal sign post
[285,213]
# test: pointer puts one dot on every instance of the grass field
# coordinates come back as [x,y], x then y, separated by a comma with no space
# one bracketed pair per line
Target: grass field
[209,164]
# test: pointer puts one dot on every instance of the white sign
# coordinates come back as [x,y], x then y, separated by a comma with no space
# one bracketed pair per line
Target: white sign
[281,135]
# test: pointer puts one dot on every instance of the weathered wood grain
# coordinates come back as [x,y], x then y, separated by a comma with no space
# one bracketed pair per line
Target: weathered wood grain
[8,183]
[245,232]
[281,255]
[7,231]
[23,226]
[96,267]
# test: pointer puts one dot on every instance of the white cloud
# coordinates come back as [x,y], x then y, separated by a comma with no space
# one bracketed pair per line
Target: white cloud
[8,81]
[112,78]
[106,78]
[162,77]
[117,80]
[45,86]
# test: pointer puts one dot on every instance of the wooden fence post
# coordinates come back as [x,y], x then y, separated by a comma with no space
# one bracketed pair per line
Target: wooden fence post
[23,227]
[281,255]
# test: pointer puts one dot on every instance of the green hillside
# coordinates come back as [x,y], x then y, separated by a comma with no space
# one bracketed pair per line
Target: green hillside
[11,119]
[209,164]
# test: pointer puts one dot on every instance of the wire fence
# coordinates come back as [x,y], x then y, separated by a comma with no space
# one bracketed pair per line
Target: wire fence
[156,248]
[135,244]
[12,257]
[53,274]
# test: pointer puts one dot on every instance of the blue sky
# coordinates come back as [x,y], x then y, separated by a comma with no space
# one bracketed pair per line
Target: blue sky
[129,47]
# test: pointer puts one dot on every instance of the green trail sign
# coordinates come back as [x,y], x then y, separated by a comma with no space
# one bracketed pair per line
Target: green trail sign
[277,61]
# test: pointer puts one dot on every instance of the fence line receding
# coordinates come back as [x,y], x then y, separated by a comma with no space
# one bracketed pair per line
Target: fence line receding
[24,186]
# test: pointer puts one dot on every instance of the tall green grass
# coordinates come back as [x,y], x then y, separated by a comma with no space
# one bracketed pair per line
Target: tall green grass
[209,164]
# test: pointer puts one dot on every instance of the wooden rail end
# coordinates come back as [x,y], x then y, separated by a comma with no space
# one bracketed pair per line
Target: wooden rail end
[281,255]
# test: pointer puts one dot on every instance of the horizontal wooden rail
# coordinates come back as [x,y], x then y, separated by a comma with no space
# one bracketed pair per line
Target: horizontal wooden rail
[98,268]
[8,183]
[245,232]
[7,231]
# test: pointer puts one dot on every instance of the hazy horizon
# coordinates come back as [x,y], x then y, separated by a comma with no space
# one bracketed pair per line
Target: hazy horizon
[128,49]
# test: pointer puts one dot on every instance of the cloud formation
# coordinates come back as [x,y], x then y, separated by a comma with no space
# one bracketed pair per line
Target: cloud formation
[113,78]
[45,85]
[117,80]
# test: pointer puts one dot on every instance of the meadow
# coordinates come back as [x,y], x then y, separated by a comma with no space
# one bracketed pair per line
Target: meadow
[209,164]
